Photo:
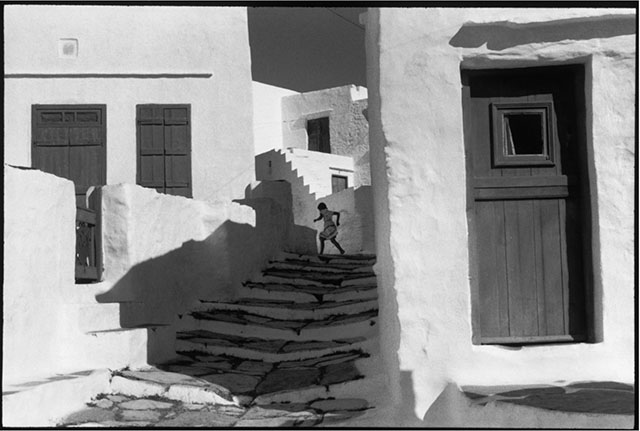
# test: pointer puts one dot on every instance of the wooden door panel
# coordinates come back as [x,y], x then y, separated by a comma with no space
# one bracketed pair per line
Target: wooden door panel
[151,139]
[85,165]
[152,171]
[176,139]
[494,296]
[85,136]
[51,136]
[54,160]
[177,171]
[520,261]
[527,219]
[551,272]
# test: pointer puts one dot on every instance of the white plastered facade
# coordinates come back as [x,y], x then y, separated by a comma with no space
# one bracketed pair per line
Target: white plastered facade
[128,56]
[419,181]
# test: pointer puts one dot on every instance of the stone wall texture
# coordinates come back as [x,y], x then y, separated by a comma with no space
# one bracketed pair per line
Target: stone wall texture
[349,129]
[131,55]
[414,59]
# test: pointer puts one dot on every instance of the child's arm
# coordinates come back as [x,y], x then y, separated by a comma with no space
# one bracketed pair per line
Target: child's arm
[337,214]
[319,217]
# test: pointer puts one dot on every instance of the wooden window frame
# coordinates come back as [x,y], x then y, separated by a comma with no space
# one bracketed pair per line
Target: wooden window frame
[498,113]
[35,123]
[320,149]
[139,181]
[346,181]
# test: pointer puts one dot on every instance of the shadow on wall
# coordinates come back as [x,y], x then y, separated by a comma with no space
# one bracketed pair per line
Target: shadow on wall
[503,35]
[157,292]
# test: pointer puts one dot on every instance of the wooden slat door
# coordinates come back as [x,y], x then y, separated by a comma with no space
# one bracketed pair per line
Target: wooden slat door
[164,148]
[70,141]
[521,143]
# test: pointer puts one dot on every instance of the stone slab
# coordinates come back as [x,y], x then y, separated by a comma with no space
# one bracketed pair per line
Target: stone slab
[199,419]
[340,404]
[141,415]
[235,383]
[288,379]
[338,373]
[103,403]
[162,377]
[91,414]
[145,404]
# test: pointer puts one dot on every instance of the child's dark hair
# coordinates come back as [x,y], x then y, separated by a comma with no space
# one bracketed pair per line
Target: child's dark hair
[322,206]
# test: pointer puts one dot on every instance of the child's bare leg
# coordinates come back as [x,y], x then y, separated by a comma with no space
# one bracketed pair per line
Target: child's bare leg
[321,245]
[334,242]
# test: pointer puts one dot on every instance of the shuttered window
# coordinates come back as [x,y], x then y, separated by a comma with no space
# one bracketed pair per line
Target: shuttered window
[318,135]
[70,141]
[338,183]
[164,148]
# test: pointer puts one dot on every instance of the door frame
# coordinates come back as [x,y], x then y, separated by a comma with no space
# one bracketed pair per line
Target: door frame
[103,115]
[584,167]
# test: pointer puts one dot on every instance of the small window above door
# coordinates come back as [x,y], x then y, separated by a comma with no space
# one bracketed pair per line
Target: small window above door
[522,134]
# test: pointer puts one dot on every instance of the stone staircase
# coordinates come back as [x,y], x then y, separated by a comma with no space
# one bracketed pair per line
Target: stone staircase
[304,331]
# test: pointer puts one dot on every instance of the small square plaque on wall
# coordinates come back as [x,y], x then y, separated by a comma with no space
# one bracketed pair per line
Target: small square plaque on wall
[68,48]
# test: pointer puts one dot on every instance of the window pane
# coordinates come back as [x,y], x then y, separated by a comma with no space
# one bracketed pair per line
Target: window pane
[524,134]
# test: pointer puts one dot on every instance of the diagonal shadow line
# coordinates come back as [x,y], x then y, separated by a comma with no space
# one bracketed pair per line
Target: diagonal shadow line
[502,35]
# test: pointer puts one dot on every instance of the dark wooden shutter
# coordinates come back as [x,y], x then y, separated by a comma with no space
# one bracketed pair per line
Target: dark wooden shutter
[164,148]
[318,135]
[338,183]
[70,141]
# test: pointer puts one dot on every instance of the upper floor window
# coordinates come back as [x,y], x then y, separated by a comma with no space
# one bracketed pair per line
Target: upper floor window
[318,134]
[164,148]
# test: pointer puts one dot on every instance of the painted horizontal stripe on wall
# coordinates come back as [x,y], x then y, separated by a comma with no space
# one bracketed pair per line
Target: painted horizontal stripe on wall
[109,75]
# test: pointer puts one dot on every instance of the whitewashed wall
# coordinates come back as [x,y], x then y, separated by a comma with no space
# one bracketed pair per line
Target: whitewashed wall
[267,116]
[130,55]
[419,181]
[168,252]
[348,127]
[356,230]
[44,328]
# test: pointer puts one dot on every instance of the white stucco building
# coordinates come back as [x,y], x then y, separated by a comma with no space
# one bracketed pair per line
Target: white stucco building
[130,73]
[502,160]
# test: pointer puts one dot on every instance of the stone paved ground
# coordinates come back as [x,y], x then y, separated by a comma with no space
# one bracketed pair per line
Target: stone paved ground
[587,397]
[117,410]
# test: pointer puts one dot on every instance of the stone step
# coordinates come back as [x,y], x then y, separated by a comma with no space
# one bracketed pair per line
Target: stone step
[364,259]
[348,388]
[152,381]
[307,293]
[346,266]
[287,310]
[327,278]
[259,349]
[237,322]
[301,265]
[122,411]
[308,279]
[248,380]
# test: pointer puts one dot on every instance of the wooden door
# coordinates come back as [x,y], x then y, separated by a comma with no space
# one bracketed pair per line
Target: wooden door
[164,148]
[70,141]
[526,220]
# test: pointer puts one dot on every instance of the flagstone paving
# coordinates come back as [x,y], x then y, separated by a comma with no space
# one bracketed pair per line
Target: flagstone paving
[127,411]
[259,361]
